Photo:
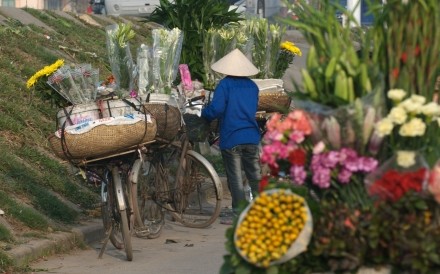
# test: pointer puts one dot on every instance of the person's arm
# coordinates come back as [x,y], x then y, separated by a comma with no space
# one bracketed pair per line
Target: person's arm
[216,108]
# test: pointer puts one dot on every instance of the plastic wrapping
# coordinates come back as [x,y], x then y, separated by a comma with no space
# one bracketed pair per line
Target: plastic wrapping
[89,80]
[404,171]
[346,126]
[167,47]
[64,83]
[120,59]
[143,69]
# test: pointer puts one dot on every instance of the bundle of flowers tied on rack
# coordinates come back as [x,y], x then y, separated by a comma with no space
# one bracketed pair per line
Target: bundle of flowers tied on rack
[100,119]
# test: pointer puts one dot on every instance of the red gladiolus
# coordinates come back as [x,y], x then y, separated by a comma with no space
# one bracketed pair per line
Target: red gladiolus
[263,183]
[297,157]
[417,51]
[404,57]
[395,73]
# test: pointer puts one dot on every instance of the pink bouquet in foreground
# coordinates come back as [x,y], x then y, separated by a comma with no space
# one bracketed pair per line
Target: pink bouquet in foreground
[289,153]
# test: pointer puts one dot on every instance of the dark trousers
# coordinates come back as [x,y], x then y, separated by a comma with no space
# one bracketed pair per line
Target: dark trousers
[246,158]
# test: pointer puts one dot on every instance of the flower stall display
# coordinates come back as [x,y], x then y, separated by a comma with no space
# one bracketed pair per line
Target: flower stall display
[363,156]
[290,153]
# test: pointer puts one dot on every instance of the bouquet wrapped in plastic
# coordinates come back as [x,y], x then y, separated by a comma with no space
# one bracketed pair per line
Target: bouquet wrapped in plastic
[120,58]
[167,46]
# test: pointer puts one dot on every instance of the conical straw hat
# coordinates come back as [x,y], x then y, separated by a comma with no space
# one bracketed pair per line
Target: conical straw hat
[235,63]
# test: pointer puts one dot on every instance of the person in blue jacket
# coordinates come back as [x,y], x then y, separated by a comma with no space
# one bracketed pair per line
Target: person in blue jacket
[234,104]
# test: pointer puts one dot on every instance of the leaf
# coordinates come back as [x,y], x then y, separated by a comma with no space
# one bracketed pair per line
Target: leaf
[434,257]
[227,267]
[242,269]
[272,270]
[420,204]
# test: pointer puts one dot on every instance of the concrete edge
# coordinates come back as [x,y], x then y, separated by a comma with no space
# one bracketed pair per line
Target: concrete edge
[57,243]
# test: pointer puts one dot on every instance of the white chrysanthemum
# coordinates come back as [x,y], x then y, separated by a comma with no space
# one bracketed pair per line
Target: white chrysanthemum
[415,127]
[411,106]
[384,127]
[398,115]
[406,158]
[431,109]
[418,99]
[396,94]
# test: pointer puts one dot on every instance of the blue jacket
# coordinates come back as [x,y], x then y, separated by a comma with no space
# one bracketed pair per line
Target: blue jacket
[235,104]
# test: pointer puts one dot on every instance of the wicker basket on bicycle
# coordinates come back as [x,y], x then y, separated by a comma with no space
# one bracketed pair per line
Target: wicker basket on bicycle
[272,97]
[197,128]
[102,140]
[168,119]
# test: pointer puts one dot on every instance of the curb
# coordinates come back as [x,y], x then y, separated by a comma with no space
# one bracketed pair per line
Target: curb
[57,242]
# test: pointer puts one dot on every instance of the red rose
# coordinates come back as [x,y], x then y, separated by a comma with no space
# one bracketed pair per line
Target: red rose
[297,157]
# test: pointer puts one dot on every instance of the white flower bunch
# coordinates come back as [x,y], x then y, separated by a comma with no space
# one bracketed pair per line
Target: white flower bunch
[412,115]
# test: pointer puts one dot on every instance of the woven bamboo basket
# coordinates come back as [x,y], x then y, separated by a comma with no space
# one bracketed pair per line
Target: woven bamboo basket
[274,102]
[272,97]
[168,119]
[102,140]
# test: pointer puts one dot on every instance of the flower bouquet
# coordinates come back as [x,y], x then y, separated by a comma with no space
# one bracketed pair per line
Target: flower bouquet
[290,153]
[143,67]
[288,51]
[121,61]
[167,46]
[59,99]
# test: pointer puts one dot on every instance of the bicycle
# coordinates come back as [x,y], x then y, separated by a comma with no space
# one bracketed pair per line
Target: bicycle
[116,198]
[171,177]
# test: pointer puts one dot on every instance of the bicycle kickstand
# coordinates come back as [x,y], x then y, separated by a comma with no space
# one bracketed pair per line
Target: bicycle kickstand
[104,245]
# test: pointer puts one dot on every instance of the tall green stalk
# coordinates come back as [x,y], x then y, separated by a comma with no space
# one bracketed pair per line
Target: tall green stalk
[407,44]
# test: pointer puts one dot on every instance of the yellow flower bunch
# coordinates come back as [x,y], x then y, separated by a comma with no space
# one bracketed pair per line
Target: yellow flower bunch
[287,53]
[291,47]
[272,223]
[46,71]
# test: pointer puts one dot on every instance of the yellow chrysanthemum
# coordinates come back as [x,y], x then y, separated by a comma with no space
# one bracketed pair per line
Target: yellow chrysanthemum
[46,71]
[289,46]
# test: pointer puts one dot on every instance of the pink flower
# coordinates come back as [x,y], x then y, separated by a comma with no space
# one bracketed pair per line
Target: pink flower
[367,164]
[434,182]
[297,136]
[344,175]
[133,94]
[321,177]
[298,174]
[319,148]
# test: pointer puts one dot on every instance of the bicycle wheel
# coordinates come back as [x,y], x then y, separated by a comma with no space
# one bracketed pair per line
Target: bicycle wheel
[108,209]
[149,215]
[123,211]
[197,201]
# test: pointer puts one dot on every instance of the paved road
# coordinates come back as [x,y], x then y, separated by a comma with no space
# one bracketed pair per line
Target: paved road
[177,250]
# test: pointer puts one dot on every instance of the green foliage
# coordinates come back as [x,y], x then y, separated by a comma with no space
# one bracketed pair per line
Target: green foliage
[337,70]
[404,235]
[5,234]
[193,18]
[407,44]
[24,214]
[5,262]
